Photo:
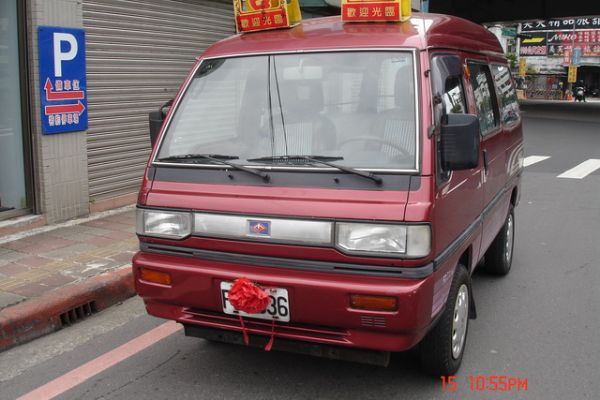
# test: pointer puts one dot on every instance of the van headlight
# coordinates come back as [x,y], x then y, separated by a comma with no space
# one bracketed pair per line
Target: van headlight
[392,240]
[163,224]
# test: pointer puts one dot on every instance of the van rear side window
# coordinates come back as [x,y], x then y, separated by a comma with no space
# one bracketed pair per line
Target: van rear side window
[483,91]
[507,95]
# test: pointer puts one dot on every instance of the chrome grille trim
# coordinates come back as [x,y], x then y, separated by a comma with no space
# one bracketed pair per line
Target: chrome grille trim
[280,230]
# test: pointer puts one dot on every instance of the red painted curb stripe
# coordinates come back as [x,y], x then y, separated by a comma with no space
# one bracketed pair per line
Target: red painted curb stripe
[101,363]
[38,316]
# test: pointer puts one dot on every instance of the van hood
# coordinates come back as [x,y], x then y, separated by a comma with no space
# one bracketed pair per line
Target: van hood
[266,200]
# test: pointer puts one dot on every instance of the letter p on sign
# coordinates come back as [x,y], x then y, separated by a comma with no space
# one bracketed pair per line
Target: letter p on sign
[59,55]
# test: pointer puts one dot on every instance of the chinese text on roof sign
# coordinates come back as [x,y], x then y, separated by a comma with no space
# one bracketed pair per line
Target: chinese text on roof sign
[259,15]
[375,10]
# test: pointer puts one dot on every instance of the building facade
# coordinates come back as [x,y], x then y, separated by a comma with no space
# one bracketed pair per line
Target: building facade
[137,53]
[65,159]
[549,47]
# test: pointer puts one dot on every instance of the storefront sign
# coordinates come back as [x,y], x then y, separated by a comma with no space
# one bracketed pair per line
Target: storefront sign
[577,37]
[260,15]
[509,32]
[63,86]
[567,50]
[561,24]
[561,44]
[375,10]
[572,78]
[567,57]
[534,46]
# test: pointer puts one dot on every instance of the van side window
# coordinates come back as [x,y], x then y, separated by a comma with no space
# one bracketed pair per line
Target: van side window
[507,95]
[485,97]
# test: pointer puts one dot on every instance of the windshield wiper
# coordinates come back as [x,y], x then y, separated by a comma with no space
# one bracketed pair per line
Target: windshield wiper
[219,159]
[181,157]
[302,160]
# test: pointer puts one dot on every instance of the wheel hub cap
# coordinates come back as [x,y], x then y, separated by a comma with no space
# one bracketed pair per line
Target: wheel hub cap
[509,238]
[460,320]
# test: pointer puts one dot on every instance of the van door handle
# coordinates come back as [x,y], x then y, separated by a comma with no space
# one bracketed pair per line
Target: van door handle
[485,161]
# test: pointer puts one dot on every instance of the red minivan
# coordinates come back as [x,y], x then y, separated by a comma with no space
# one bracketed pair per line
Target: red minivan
[358,173]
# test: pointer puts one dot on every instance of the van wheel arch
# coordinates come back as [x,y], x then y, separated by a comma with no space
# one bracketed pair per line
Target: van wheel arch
[438,351]
[514,197]
[498,257]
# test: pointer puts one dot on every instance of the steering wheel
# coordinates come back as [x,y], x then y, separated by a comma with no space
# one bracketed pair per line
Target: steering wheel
[365,138]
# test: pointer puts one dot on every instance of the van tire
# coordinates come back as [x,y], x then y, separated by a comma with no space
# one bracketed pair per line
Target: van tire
[436,353]
[498,258]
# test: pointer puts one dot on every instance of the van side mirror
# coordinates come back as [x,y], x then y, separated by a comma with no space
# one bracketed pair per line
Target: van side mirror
[156,119]
[460,142]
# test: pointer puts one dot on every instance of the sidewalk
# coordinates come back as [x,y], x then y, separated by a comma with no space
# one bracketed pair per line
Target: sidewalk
[53,276]
[594,100]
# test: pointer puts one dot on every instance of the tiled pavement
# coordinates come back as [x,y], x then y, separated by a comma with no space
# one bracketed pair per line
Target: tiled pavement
[36,265]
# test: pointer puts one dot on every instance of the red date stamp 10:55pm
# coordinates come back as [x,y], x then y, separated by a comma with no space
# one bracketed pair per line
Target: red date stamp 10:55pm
[482,383]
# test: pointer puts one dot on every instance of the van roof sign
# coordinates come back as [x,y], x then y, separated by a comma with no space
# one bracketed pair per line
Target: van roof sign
[260,15]
[375,10]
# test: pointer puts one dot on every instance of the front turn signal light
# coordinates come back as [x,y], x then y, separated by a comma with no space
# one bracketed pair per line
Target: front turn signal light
[153,276]
[373,303]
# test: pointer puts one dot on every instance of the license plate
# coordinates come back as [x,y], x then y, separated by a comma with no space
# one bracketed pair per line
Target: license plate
[279,309]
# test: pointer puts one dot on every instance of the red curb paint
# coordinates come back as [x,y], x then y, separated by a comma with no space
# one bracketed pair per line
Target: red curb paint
[39,316]
[101,363]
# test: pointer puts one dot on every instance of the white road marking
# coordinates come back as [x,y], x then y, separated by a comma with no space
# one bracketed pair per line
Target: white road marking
[582,170]
[534,160]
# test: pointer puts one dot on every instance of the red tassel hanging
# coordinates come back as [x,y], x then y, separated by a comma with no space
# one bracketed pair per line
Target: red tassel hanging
[247,297]
[244,332]
[269,345]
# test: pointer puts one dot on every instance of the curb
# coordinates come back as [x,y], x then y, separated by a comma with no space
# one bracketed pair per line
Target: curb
[59,308]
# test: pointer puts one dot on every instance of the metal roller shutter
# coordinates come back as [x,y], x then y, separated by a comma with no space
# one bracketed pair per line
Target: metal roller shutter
[138,53]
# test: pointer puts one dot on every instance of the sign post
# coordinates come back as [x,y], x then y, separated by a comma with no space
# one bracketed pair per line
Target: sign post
[572,78]
[63,84]
[522,67]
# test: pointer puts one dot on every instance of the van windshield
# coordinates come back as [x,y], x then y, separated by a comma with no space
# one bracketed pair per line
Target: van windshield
[357,108]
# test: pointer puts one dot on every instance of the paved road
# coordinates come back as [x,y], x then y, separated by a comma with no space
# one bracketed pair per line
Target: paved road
[540,323]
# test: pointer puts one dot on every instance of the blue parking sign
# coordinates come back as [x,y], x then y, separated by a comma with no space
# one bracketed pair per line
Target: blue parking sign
[63,85]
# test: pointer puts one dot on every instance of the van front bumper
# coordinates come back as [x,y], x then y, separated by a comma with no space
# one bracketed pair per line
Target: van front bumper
[319,302]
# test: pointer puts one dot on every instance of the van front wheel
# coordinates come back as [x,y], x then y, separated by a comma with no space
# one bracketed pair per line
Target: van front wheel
[498,258]
[441,351]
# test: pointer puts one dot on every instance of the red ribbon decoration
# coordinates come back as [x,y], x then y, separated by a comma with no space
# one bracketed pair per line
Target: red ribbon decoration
[247,297]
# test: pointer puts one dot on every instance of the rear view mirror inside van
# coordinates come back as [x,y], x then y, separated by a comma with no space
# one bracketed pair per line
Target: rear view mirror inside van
[460,141]
[156,118]
[302,73]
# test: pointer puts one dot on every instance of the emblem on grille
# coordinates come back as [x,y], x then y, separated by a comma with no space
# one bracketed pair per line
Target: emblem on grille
[259,228]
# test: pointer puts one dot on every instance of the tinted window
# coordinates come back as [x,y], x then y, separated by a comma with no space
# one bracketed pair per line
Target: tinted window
[483,91]
[507,95]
